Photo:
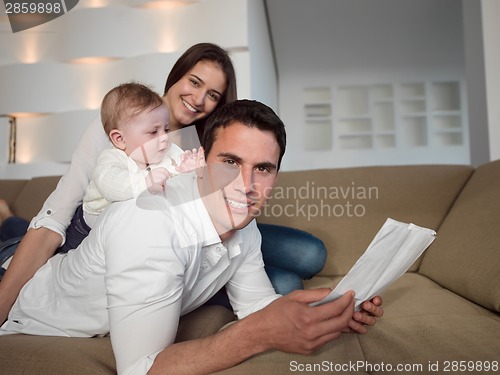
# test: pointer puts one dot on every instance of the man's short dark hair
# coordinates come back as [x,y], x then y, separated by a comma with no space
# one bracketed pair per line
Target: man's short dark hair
[250,113]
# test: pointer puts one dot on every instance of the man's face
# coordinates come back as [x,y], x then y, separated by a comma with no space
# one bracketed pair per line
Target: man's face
[240,175]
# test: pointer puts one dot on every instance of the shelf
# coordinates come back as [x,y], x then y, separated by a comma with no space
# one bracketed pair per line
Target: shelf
[413,90]
[317,135]
[447,122]
[395,117]
[381,92]
[353,142]
[354,126]
[383,115]
[448,138]
[318,110]
[414,132]
[353,101]
[446,96]
[413,106]
[317,95]
[385,141]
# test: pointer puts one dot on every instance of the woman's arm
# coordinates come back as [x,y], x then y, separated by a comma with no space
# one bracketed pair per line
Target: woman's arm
[47,229]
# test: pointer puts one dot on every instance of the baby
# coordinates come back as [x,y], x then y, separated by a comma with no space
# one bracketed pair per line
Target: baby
[136,121]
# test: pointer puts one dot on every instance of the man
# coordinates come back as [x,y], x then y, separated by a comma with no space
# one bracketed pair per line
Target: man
[149,261]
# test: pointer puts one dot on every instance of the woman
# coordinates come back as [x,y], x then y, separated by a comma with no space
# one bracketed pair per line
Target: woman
[201,80]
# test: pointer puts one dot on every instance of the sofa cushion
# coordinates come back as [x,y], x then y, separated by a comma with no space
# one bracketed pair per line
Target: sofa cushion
[346,207]
[42,355]
[423,323]
[465,256]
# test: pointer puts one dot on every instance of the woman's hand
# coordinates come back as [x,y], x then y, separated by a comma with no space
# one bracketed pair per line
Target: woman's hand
[367,316]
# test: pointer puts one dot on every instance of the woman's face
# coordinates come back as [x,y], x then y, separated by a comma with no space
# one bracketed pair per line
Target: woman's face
[196,94]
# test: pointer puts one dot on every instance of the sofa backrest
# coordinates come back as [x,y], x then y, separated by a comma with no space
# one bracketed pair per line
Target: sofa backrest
[26,197]
[346,207]
[10,189]
[465,257]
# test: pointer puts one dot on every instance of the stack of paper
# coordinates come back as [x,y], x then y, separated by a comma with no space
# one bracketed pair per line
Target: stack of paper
[393,250]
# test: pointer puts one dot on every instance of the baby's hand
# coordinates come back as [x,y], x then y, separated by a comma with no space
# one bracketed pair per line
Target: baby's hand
[191,160]
[155,180]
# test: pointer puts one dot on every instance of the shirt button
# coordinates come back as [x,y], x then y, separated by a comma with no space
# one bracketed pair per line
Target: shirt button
[48,212]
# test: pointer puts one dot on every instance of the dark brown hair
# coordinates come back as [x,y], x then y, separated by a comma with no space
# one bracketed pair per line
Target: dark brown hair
[250,113]
[205,52]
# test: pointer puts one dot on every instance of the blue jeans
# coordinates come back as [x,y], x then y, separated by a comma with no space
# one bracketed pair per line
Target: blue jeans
[11,232]
[13,227]
[76,231]
[290,255]
[7,249]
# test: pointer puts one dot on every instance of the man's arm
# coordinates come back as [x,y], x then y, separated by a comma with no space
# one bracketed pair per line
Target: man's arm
[37,246]
[287,324]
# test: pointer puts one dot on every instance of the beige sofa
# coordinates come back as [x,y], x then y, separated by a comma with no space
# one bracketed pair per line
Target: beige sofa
[442,317]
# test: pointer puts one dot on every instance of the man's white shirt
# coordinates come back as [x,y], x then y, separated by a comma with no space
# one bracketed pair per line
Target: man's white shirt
[145,263]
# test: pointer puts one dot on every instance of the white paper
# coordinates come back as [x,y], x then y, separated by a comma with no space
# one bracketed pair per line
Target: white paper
[393,250]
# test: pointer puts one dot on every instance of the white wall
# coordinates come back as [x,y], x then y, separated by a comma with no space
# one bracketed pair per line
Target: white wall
[338,42]
[262,64]
[54,76]
[491,31]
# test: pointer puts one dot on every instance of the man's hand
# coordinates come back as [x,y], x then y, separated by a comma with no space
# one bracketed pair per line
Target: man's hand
[289,324]
[367,316]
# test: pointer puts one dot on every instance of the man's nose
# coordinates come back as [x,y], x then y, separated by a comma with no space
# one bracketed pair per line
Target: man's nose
[244,181]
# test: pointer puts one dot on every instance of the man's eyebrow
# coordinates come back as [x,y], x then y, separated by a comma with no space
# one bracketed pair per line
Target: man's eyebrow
[229,155]
[238,159]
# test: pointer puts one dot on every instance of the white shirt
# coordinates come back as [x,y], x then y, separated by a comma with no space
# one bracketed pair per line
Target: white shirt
[58,209]
[144,264]
[60,206]
[117,177]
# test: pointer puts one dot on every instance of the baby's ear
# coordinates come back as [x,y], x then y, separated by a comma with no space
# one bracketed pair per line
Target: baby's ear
[117,139]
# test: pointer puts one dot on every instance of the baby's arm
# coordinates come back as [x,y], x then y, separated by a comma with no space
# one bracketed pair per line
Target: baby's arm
[155,180]
[116,177]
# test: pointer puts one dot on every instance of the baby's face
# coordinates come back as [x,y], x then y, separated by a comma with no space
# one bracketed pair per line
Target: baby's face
[146,136]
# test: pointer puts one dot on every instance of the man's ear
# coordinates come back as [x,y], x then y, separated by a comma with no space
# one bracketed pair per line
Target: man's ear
[117,139]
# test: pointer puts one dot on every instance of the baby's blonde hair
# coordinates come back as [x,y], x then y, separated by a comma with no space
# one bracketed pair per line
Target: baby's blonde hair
[126,101]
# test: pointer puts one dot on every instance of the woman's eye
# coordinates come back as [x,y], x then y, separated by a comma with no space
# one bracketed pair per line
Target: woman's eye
[213,96]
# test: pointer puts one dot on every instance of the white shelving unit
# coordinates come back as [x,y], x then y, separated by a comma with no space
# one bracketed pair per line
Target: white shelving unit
[413,116]
[317,133]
